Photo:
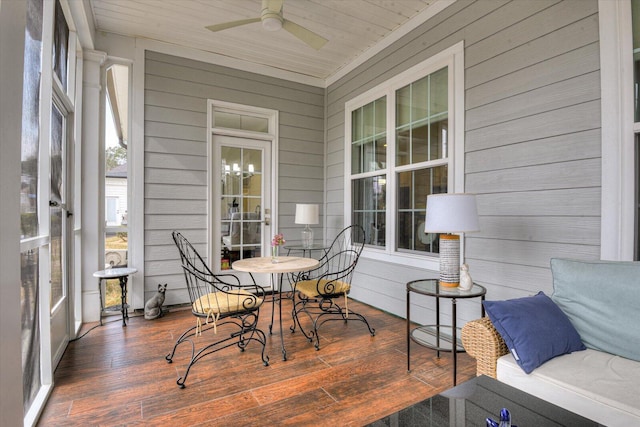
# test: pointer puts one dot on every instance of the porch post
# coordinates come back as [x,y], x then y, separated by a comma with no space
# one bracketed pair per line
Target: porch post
[92,191]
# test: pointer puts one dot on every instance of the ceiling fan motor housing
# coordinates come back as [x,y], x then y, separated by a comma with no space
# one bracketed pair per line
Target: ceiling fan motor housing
[271,21]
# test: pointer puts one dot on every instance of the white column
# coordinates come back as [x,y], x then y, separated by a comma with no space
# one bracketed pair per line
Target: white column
[618,169]
[92,188]
[12,26]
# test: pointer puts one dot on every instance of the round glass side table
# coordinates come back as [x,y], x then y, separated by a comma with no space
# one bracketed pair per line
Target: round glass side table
[439,337]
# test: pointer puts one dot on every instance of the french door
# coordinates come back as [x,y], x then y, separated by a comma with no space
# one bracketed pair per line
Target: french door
[241,210]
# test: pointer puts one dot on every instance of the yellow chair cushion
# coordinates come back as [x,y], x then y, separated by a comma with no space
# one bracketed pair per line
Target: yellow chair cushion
[216,303]
[310,287]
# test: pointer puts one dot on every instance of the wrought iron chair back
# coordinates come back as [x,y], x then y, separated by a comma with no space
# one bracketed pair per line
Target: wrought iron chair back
[317,291]
[217,300]
[339,262]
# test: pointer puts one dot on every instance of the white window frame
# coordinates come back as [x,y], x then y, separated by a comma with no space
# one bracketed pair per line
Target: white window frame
[453,57]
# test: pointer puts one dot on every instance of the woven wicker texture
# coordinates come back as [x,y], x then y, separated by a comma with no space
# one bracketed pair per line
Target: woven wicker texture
[484,343]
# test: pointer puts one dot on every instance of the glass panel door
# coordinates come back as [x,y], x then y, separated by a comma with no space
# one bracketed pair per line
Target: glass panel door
[58,235]
[243,210]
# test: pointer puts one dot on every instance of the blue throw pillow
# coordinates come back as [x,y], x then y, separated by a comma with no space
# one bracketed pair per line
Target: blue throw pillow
[534,329]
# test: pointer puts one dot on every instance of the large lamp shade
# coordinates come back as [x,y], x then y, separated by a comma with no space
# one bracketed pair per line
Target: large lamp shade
[451,213]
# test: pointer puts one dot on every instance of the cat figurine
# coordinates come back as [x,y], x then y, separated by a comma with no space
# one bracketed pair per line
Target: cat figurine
[153,307]
[465,278]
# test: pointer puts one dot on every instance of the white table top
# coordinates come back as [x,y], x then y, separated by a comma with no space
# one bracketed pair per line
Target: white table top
[112,273]
[285,264]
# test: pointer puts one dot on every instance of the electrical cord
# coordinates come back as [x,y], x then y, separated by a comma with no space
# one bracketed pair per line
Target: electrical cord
[103,323]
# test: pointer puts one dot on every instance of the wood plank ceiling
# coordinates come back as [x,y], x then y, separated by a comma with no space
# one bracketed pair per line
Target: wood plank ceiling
[352,27]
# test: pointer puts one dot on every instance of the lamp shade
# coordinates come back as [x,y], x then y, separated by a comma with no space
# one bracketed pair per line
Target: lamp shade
[451,213]
[307,214]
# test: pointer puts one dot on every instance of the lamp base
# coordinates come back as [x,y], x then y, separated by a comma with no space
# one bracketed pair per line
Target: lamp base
[307,236]
[449,260]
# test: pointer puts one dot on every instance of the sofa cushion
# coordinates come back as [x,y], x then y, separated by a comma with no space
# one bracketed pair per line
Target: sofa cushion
[601,299]
[534,329]
[597,385]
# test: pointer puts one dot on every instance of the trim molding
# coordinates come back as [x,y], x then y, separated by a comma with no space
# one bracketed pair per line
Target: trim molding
[618,173]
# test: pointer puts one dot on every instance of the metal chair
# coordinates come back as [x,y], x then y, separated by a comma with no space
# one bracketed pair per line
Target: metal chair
[316,292]
[217,300]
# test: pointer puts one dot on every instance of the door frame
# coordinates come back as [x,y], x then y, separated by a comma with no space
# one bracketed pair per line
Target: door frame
[213,169]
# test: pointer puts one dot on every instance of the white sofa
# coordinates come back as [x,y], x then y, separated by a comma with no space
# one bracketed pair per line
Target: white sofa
[602,301]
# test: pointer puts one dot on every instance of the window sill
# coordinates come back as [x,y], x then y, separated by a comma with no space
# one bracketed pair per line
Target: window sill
[416,261]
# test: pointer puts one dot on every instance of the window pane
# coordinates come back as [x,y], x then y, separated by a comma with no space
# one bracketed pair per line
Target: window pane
[369,154]
[381,115]
[240,121]
[367,120]
[356,125]
[116,139]
[60,46]
[369,207]
[56,214]
[240,210]
[381,152]
[420,144]
[439,92]
[438,139]
[368,137]
[29,261]
[422,119]
[403,145]
[403,106]
[31,381]
[419,97]
[356,158]
[412,191]
[31,121]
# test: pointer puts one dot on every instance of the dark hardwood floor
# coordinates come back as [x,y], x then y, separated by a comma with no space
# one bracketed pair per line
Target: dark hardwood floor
[117,376]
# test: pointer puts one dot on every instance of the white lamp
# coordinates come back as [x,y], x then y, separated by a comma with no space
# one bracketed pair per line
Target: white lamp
[451,213]
[307,214]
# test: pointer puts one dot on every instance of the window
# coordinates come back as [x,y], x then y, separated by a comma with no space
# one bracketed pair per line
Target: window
[401,146]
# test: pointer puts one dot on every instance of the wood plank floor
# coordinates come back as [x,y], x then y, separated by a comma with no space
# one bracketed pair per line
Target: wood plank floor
[117,376]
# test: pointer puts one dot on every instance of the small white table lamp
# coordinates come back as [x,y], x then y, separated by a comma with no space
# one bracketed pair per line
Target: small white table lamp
[307,214]
[451,213]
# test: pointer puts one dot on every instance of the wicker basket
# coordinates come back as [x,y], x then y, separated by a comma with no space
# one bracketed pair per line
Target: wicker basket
[484,343]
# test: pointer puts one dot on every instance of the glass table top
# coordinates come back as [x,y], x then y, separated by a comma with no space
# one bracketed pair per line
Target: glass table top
[432,287]
[472,402]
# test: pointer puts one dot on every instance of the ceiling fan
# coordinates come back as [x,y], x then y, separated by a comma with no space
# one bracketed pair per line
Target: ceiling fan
[272,20]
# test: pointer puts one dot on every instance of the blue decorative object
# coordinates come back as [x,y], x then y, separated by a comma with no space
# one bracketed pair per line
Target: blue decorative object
[505,420]
[534,329]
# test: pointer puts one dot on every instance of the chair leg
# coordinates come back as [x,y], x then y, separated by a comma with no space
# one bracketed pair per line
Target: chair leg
[300,307]
[326,311]
[248,331]
[184,337]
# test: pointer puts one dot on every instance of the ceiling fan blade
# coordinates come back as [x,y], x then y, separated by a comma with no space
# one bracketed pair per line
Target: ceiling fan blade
[307,36]
[225,25]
